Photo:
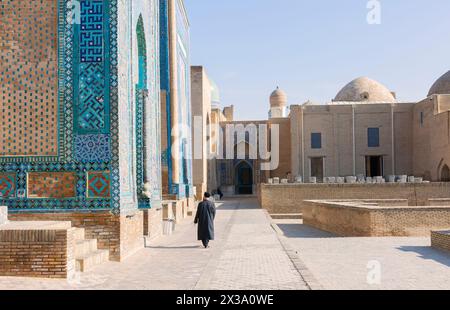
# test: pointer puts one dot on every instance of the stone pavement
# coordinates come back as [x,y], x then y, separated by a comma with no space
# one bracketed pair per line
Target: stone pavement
[346,263]
[246,255]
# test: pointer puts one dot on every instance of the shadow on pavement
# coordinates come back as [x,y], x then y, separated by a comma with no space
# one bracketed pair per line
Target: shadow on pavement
[303,231]
[428,253]
[175,247]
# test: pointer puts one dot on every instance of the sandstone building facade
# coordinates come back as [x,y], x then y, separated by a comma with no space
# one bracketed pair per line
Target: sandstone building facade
[364,132]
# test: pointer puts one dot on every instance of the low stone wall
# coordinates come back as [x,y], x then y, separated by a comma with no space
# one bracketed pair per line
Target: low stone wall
[441,240]
[356,219]
[103,226]
[3,215]
[131,234]
[44,250]
[153,219]
[439,202]
[288,198]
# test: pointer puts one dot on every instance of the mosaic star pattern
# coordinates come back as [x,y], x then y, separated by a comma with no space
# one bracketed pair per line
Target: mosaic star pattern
[92,148]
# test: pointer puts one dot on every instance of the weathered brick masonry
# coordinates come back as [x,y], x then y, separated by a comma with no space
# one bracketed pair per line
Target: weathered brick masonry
[288,198]
[441,240]
[30,251]
[122,235]
[353,219]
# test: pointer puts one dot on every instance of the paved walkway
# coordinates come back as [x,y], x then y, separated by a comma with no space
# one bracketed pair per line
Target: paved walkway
[347,263]
[246,255]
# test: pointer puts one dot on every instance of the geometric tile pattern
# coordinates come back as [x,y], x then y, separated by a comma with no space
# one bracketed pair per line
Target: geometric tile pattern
[29,78]
[92,106]
[92,148]
[52,185]
[64,86]
[92,99]
[99,184]
[7,185]
[70,56]
[91,34]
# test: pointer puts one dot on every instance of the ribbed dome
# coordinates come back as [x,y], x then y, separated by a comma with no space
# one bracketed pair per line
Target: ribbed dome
[278,98]
[441,86]
[365,89]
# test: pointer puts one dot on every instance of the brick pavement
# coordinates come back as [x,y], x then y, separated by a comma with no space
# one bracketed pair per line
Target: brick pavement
[246,255]
[342,263]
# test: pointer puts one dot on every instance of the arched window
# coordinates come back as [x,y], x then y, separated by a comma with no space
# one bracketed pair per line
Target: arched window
[445,174]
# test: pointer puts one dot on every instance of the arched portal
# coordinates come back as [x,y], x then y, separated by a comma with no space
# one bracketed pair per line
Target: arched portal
[142,53]
[142,175]
[445,174]
[244,178]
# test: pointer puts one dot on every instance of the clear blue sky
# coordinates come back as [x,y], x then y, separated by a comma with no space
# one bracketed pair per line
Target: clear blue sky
[311,49]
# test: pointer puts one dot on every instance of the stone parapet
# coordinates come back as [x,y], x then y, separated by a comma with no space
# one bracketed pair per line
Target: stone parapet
[37,249]
[121,234]
[363,219]
[289,198]
[441,240]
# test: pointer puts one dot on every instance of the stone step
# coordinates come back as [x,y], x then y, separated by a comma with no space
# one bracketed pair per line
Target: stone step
[79,234]
[84,247]
[290,216]
[91,260]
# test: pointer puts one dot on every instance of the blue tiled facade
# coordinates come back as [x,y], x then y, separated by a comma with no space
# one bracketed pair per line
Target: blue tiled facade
[88,112]
[185,188]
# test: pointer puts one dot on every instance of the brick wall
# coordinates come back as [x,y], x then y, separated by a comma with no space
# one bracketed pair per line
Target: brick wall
[289,198]
[350,219]
[37,253]
[441,240]
[103,226]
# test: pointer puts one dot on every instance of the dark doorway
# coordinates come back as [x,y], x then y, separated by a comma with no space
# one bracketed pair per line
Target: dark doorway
[374,166]
[445,174]
[244,179]
[317,168]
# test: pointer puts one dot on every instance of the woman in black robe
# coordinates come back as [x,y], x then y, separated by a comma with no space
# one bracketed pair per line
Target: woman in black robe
[206,213]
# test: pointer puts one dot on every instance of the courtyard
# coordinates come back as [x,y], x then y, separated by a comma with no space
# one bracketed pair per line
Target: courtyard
[254,252]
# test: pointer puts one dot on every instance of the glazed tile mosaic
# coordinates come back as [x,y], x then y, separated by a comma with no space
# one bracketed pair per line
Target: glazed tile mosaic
[7,185]
[29,78]
[99,184]
[51,185]
[60,140]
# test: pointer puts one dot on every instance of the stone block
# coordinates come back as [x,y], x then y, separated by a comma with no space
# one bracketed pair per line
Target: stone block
[3,215]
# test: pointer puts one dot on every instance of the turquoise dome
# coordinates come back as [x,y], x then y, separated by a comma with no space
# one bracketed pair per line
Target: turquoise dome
[215,93]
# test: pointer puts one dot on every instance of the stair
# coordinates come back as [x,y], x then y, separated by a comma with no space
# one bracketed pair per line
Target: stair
[89,261]
[87,254]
